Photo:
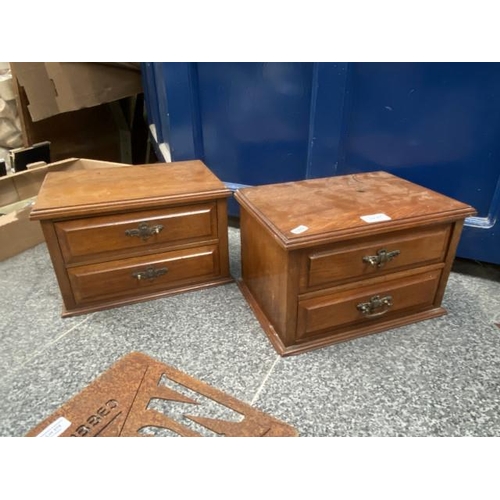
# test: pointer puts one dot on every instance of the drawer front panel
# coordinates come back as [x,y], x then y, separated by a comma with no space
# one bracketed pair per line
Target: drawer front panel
[370,258]
[142,275]
[116,235]
[374,303]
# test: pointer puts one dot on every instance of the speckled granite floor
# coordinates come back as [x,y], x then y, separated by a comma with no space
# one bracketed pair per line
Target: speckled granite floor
[440,377]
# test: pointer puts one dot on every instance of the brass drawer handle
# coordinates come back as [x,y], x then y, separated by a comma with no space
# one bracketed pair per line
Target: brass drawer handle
[381,258]
[368,308]
[150,273]
[144,231]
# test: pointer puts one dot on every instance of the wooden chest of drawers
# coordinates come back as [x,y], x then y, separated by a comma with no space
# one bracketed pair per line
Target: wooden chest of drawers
[124,235]
[327,260]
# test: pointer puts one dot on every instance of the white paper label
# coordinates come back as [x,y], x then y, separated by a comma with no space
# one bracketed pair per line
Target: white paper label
[55,429]
[299,229]
[375,218]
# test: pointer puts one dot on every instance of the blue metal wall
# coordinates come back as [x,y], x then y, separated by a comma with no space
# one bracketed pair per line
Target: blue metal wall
[435,124]
[254,119]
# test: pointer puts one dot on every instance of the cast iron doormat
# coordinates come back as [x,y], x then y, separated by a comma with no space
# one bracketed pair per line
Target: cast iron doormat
[139,396]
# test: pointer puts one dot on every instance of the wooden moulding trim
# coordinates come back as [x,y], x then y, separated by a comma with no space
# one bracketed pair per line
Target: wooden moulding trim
[143,298]
[354,232]
[373,280]
[139,252]
[364,331]
[124,205]
[326,340]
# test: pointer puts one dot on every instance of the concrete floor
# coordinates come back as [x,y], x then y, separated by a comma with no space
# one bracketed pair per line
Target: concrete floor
[440,377]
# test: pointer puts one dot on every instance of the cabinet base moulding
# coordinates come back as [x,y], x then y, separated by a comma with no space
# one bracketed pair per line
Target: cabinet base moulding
[101,306]
[328,338]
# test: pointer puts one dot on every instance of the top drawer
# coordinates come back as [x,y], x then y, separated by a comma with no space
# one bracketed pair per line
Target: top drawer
[112,236]
[375,256]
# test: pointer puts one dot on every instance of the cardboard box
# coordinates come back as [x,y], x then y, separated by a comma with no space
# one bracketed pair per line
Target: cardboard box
[58,87]
[17,232]
[91,110]
[17,195]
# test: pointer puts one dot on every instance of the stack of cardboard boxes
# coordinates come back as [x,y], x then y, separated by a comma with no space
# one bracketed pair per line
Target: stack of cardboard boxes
[75,107]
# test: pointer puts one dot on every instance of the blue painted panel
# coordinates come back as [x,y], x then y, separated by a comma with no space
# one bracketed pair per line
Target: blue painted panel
[327,124]
[180,123]
[163,124]
[151,96]
[434,124]
[255,120]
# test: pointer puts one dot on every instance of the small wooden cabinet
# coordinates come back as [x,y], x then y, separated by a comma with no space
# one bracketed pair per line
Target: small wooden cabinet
[127,234]
[327,260]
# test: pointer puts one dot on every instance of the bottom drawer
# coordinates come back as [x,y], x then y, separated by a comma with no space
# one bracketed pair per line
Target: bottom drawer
[142,275]
[374,303]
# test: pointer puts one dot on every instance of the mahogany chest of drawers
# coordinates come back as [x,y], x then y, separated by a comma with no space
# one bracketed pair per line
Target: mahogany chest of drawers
[327,260]
[133,233]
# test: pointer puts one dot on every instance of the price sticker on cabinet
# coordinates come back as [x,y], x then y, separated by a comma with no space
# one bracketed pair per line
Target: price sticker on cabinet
[299,229]
[375,218]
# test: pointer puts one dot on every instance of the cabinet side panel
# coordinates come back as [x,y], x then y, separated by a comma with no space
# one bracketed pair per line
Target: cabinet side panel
[456,232]
[58,263]
[223,237]
[264,271]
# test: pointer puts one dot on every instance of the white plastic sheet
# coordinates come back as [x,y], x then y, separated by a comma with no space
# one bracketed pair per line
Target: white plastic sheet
[10,125]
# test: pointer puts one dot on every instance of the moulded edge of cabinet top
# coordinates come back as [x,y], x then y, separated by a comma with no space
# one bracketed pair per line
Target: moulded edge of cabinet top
[85,192]
[314,211]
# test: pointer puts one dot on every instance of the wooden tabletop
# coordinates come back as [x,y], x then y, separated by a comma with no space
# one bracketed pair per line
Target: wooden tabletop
[84,192]
[335,207]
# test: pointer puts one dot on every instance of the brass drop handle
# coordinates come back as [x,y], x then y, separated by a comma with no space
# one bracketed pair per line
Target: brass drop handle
[381,258]
[144,231]
[369,309]
[150,273]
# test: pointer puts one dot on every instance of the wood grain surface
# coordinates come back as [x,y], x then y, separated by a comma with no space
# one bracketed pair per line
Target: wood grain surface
[78,193]
[129,234]
[331,208]
[314,251]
